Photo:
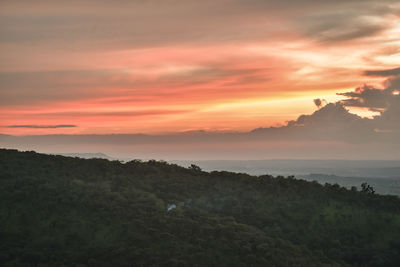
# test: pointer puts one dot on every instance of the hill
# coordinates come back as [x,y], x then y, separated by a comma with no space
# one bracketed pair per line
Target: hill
[64,211]
[86,155]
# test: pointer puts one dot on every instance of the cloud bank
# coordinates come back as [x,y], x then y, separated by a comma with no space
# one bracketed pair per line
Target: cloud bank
[334,121]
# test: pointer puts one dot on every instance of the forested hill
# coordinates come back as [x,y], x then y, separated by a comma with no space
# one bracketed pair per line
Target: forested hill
[63,211]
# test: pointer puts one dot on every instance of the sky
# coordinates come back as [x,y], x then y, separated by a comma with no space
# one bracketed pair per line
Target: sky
[80,67]
[226,66]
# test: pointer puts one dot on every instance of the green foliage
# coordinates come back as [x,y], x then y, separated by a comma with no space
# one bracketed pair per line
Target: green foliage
[61,211]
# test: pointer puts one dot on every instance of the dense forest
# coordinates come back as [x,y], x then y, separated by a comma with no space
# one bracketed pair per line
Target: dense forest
[64,211]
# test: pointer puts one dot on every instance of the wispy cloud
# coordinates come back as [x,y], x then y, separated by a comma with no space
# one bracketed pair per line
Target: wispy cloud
[42,126]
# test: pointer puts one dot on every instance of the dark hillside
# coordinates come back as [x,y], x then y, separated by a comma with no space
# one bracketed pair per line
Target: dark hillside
[63,211]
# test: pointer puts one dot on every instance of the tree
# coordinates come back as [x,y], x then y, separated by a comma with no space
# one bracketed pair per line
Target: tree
[194,168]
[366,188]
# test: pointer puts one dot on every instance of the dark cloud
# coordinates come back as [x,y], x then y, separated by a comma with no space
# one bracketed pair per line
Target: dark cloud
[367,97]
[393,84]
[43,126]
[334,121]
[373,98]
[386,101]
[383,73]
[332,113]
[319,102]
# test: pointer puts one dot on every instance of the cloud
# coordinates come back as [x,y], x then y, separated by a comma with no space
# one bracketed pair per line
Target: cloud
[386,101]
[345,22]
[54,49]
[338,32]
[374,99]
[335,122]
[215,52]
[393,84]
[94,24]
[45,86]
[368,97]
[331,114]
[319,102]
[43,126]
[389,118]
[329,132]
[137,113]
[383,73]
[37,87]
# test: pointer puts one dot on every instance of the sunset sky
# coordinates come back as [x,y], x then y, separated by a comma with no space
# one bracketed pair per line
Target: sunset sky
[103,67]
